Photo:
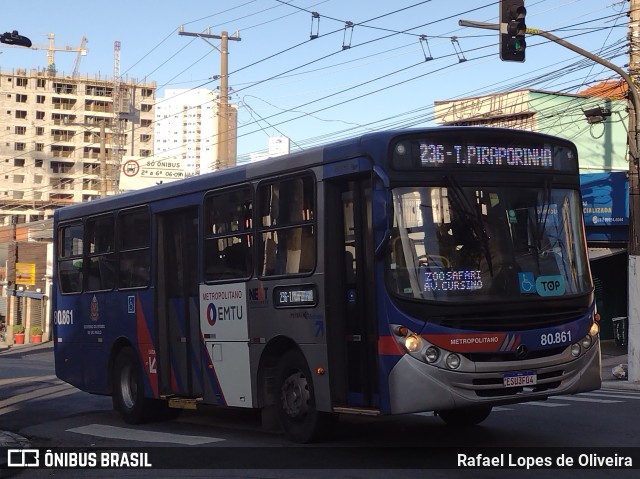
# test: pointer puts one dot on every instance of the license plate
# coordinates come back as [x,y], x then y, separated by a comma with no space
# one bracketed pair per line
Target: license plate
[523,378]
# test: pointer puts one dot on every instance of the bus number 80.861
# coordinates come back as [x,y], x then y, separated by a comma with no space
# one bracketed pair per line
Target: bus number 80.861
[555,338]
[63,316]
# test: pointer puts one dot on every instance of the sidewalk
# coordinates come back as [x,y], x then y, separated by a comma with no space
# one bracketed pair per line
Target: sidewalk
[613,355]
[24,349]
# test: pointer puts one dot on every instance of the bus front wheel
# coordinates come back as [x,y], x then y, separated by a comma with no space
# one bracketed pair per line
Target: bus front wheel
[296,406]
[128,388]
[465,417]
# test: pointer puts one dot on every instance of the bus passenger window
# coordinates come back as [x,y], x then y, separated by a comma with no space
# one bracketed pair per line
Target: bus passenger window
[101,266]
[134,227]
[287,233]
[134,269]
[70,276]
[70,248]
[228,235]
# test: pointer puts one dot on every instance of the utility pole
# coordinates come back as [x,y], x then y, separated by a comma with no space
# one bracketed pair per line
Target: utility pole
[102,157]
[633,248]
[633,337]
[103,161]
[223,160]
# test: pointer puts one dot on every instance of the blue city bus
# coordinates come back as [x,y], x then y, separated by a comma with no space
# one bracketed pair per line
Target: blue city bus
[398,272]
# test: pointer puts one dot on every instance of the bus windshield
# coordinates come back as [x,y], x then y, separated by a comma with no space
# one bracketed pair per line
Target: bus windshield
[454,243]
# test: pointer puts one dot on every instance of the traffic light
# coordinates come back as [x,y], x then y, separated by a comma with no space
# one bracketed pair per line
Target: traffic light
[512,30]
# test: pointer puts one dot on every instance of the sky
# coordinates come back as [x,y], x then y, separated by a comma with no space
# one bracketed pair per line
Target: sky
[368,69]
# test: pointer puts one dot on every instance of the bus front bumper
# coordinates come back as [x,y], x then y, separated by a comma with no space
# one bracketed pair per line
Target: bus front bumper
[415,386]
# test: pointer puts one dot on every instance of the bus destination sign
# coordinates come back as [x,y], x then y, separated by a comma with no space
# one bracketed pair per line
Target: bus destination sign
[432,154]
[487,153]
[295,296]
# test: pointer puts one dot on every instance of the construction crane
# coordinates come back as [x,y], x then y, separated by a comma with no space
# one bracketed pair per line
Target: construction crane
[82,52]
[51,48]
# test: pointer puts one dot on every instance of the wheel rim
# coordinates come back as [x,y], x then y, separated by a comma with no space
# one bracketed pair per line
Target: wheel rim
[295,395]
[128,386]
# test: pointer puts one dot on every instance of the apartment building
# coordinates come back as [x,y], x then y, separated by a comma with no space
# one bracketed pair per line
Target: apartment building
[52,132]
[186,129]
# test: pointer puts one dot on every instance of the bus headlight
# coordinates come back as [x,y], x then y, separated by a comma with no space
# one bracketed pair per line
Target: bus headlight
[431,354]
[595,329]
[453,361]
[586,342]
[575,350]
[413,343]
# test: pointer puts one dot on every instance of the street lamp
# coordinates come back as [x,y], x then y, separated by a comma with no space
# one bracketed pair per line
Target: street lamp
[14,38]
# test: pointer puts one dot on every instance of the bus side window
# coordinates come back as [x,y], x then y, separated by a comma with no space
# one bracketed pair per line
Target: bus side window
[70,275]
[228,235]
[70,249]
[287,223]
[134,228]
[100,241]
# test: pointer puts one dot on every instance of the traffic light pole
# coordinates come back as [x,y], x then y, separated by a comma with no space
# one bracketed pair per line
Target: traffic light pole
[633,344]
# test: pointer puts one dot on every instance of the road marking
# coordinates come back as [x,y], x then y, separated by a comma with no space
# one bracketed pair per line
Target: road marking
[37,393]
[605,395]
[112,432]
[45,379]
[582,399]
[626,391]
[543,404]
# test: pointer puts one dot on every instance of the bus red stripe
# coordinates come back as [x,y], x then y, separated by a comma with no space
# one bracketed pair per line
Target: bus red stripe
[388,345]
[146,348]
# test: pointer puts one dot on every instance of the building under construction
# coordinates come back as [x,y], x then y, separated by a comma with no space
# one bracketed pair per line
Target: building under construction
[63,138]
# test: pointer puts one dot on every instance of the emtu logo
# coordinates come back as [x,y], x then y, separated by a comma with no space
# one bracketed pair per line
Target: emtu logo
[211,314]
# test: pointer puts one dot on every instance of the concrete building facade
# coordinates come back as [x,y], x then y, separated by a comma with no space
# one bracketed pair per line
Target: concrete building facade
[53,129]
[186,129]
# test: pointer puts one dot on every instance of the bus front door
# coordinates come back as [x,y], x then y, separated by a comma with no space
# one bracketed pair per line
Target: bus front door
[179,356]
[351,328]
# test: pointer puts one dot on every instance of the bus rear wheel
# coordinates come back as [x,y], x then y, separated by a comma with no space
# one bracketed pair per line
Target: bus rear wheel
[128,388]
[465,417]
[296,406]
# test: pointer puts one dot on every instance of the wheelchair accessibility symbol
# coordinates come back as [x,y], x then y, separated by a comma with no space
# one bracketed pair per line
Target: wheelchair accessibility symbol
[527,283]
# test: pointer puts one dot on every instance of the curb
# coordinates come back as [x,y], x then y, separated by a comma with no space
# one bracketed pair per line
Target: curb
[621,384]
[9,440]
[22,350]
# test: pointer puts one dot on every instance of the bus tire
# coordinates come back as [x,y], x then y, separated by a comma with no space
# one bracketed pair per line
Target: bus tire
[465,417]
[295,400]
[128,388]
